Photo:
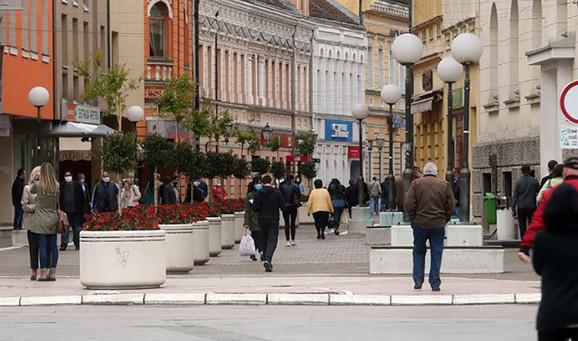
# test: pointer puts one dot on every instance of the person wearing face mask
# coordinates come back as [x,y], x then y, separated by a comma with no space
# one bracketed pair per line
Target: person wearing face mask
[130,193]
[71,199]
[81,178]
[251,221]
[105,195]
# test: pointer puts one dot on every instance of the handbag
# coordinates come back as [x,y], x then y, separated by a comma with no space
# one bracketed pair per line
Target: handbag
[247,246]
[60,224]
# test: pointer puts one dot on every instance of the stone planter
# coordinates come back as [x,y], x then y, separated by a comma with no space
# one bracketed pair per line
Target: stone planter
[122,259]
[214,236]
[239,228]
[378,235]
[227,231]
[201,242]
[179,248]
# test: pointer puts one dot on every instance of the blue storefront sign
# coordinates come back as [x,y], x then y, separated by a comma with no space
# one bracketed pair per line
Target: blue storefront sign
[337,130]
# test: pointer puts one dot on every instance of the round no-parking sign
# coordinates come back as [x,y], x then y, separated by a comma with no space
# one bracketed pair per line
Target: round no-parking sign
[569,102]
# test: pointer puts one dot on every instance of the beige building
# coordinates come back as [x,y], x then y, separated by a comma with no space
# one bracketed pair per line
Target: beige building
[529,56]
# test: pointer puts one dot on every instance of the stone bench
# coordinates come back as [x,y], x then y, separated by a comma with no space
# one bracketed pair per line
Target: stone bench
[455,260]
[456,235]
[378,235]
[360,219]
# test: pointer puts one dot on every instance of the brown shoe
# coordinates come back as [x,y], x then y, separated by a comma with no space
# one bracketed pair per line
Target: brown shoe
[43,277]
[34,275]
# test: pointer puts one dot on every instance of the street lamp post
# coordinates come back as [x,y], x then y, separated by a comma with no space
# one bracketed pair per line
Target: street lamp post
[466,49]
[267,133]
[449,71]
[379,143]
[369,156]
[390,94]
[407,49]
[360,113]
[38,97]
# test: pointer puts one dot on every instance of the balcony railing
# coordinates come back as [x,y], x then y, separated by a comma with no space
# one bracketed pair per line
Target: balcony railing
[159,71]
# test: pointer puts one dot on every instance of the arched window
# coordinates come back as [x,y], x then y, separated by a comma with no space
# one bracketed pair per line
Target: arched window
[158,18]
[494,50]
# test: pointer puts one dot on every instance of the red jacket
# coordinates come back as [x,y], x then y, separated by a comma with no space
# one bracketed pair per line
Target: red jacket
[538,223]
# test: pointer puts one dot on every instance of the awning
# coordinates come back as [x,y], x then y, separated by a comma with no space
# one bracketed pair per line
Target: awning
[424,102]
[76,129]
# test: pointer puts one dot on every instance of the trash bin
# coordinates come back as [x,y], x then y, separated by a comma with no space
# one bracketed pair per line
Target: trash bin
[506,229]
[490,203]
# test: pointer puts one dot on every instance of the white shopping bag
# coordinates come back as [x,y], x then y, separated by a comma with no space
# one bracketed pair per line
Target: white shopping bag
[247,246]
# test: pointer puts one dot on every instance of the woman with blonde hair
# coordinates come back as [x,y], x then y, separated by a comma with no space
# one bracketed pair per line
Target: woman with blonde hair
[130,193]
[44,220]
[28,204]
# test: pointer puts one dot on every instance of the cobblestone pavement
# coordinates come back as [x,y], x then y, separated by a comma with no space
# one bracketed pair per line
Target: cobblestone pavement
[343,255]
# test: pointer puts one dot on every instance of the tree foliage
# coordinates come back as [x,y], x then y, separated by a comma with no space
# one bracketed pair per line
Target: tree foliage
[112,84]
[275,144]
[278,169]
[119,153]
[181,157]
[214,165]
[260,165]
[197,169]
[308,170]
[176,99]
[199,123]
[249,138]
[307,142]
[241,168]
[157,151]
[228,164]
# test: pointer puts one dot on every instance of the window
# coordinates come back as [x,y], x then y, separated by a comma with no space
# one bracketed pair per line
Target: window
[158,31]
[75,40]
[369,68]
[381,68]
[45,47]
[64,37]
[494,49]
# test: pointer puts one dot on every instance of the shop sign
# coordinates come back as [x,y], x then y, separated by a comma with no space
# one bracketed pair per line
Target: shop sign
[337,130]
[353,152]
[87,114]
[398,122]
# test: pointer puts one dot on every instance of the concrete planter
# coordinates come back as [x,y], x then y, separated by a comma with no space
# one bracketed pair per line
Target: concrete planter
[378,235]
[360,219]
[239,229]
[214,236]
[122,259]
[179,247]
[201,242]
[302,216]
[227,231]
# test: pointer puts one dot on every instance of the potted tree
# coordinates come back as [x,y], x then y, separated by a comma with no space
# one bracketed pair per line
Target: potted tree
[157,152]
[260,165]
[241,171]
[122,251]
[197,169]
[226,169]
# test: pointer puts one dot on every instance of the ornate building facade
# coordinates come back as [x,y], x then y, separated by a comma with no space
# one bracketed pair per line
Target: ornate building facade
[339,56]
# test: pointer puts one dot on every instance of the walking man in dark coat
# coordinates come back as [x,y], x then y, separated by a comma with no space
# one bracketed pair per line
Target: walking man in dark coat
[17,190]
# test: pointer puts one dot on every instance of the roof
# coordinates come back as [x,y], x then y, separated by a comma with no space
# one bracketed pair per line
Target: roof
[325,9]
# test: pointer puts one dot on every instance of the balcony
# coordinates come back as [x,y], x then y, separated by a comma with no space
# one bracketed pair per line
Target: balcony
[158,71]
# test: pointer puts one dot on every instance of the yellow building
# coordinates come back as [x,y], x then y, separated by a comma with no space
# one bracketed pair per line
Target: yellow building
[384,21]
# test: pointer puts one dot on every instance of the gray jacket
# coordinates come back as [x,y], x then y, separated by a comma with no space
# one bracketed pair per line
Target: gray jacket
[525,192]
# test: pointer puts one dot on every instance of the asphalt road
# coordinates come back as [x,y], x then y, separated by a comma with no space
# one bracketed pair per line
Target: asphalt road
[268,323]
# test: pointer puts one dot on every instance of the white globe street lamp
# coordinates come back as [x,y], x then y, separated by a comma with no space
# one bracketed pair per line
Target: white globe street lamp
[38,97]
[135,113]
[449,71]
[466,49]
[407,49]
[390,94]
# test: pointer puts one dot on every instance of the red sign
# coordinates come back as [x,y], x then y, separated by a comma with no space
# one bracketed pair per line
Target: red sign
[291,158]
[569,100]
[353,152]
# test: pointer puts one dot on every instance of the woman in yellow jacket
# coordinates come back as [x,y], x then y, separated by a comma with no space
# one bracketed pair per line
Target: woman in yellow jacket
[320,206]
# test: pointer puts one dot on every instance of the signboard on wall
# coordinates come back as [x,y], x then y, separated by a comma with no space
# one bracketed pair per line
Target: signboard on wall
[569,137]
[87,114]
[337,130]
[353,152]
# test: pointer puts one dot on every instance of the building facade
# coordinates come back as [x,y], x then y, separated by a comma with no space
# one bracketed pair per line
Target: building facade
[26,40]
[339,55]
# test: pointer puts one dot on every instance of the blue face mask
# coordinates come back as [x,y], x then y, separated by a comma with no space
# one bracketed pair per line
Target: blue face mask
[258,187]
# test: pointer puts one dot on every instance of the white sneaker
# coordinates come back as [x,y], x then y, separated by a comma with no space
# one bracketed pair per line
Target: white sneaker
[330,231]
[293,243]
[288,244]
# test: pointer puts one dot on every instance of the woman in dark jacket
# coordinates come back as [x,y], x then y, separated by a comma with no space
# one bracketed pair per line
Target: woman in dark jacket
[251,221]
[338,199]
[555,259]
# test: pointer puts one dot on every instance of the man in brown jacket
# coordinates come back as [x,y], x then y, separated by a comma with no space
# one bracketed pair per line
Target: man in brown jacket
[429,204]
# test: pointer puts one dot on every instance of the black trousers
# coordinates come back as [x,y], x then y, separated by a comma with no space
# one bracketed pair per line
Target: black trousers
[18,216]
[33,248]
[559,335]
[524,218]
[258,239]
[290,216]
[321,221]
[270,235]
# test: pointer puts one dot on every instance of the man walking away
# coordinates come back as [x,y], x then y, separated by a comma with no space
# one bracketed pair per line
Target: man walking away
[551,165]
[170,194]
[352,196]
[524,201]
[429,204]
[71,202]
[105,195]
[17,190]
[81,178]
[374,194]
[291,195]
[267,203]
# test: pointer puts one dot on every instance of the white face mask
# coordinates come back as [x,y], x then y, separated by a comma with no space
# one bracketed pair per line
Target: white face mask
[106,179]
[68,178]
[81,181]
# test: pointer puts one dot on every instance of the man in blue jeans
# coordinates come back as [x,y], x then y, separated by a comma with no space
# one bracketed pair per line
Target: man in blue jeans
[429,204]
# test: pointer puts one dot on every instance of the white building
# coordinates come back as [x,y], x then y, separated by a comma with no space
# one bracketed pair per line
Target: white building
[339,49]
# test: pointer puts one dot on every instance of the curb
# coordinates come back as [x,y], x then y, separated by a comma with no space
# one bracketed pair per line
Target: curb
[270,299]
